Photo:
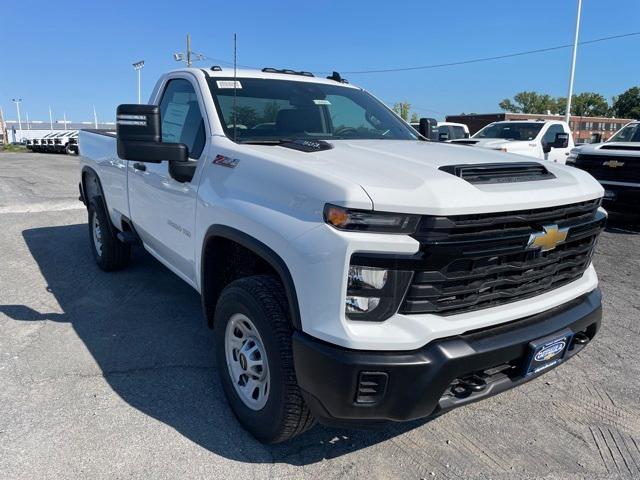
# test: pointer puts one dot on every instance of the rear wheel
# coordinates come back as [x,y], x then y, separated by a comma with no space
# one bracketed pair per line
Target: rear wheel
[109,253]
[255,359]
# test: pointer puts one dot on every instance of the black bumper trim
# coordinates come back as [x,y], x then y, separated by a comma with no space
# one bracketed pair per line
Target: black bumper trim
[419,382]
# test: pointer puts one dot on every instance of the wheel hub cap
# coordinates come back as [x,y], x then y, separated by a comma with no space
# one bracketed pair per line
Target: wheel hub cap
[247,362]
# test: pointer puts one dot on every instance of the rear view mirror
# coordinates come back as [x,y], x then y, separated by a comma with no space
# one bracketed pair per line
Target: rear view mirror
[139,136]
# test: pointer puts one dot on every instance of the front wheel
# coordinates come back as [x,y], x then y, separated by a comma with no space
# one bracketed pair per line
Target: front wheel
[255,359]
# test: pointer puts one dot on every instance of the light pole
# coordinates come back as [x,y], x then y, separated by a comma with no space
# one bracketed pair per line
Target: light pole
[572,71]
[50,119]
[18,101]
[138,67]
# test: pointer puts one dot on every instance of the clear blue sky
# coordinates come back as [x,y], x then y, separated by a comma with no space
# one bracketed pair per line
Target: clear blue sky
[73,55]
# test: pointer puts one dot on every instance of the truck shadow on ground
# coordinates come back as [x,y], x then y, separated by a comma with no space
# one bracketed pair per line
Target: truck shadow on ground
[145,329]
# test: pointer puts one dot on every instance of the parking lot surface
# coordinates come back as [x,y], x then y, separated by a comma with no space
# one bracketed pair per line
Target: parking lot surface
[113,375]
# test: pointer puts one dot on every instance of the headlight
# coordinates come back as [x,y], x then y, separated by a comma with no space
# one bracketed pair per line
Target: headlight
[370,221]
[374,294]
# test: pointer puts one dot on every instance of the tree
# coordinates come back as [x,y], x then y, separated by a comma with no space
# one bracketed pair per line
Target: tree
[415,118]
[402,109]
[529,102]
[585,104]
[627,105]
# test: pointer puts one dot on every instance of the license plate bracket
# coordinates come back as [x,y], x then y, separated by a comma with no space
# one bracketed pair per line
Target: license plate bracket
[547,352]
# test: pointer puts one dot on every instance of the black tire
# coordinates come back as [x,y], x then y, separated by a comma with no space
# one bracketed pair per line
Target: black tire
[68,150]
[262,299]
[112,254]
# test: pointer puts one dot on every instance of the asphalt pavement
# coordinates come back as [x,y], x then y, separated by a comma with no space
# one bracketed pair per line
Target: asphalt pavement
[113,375]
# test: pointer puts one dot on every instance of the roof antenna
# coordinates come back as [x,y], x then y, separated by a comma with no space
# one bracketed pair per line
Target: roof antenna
[235,84]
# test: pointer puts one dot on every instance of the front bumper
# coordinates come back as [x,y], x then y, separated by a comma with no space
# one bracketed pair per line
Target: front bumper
[621,198]
[426,382]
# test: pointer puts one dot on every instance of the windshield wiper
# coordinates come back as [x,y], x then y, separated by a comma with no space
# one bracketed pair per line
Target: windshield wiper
[300,144]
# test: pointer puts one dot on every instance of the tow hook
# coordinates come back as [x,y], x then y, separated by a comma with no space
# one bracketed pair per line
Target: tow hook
[468,385]
[581,338]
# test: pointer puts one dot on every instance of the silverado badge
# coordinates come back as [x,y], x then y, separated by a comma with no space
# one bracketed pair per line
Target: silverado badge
[613,164]
[548,239]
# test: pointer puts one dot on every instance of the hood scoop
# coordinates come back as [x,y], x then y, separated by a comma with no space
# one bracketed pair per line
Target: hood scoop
[620,147]
[500,172]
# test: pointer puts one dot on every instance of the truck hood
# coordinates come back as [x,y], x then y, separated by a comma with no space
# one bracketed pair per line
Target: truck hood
[622,149]
[404,176]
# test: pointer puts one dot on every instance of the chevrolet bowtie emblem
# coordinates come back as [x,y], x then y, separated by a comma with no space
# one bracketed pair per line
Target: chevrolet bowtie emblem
[549,238]
[613,164]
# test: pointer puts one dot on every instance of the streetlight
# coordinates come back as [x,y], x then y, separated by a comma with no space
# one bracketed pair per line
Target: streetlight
[572,71]
[17,101]
[138,67]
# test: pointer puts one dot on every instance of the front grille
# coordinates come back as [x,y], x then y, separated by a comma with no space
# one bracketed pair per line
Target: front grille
[479,261]
[610,167]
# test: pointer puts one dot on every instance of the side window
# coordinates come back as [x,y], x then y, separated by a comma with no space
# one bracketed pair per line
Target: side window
[550,135]
[182,120]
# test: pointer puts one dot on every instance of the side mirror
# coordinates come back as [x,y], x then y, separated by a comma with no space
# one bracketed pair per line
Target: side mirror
[561,141]
[443,136]
[139,136]
[426,125]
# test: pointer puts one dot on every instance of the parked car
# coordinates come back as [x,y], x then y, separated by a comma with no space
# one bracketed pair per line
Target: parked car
[39,144]
[616,165]
[445,131]
[546,140]
[61,143]
[352,272]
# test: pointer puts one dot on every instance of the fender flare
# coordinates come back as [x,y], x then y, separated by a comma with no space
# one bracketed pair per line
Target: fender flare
[264,252]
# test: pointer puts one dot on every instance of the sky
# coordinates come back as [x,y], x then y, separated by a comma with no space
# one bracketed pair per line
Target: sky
[77,55]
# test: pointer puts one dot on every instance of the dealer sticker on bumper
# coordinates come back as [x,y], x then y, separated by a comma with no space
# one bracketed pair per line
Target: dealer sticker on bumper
[547,353]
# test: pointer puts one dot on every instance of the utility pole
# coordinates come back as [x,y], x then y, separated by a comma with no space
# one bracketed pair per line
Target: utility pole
[138,67]
[572,71]
[17,101]
[95,117]
[64,116]
[3,129]
[188,51]
[28,123]
[50,119]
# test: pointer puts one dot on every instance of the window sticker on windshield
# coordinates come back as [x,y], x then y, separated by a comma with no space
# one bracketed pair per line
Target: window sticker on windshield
[322,102]
[228,84]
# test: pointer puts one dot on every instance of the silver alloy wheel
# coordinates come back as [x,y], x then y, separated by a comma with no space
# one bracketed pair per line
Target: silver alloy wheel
[247,361]
[97,233]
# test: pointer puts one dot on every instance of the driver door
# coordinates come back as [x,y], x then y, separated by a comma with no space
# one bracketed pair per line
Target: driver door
[163,205]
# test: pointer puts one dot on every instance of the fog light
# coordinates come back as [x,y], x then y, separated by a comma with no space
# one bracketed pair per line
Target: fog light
[367,277]
[361,304]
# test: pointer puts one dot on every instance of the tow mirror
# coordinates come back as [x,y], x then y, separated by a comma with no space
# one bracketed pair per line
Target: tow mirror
[561,141]
[426,125]
[139,136]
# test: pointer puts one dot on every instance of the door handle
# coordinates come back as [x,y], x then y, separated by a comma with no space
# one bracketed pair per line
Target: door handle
[140,166]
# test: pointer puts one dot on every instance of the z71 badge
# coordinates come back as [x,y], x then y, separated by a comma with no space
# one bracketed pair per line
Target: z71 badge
[226,161]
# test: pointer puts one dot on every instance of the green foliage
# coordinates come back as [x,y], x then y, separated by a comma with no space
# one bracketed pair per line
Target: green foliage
[587,104]
[402,109]
[627,105]
[13,148]
[530,102]
[415,118]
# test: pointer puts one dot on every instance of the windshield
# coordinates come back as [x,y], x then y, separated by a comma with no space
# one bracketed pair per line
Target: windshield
[630,133]
[267,109]
[511,131]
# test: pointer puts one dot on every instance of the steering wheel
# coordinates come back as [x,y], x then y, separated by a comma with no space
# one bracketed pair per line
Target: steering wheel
[345,131]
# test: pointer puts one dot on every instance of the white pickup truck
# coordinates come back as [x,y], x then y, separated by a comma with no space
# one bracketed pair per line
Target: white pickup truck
[546,140]
[353,271]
